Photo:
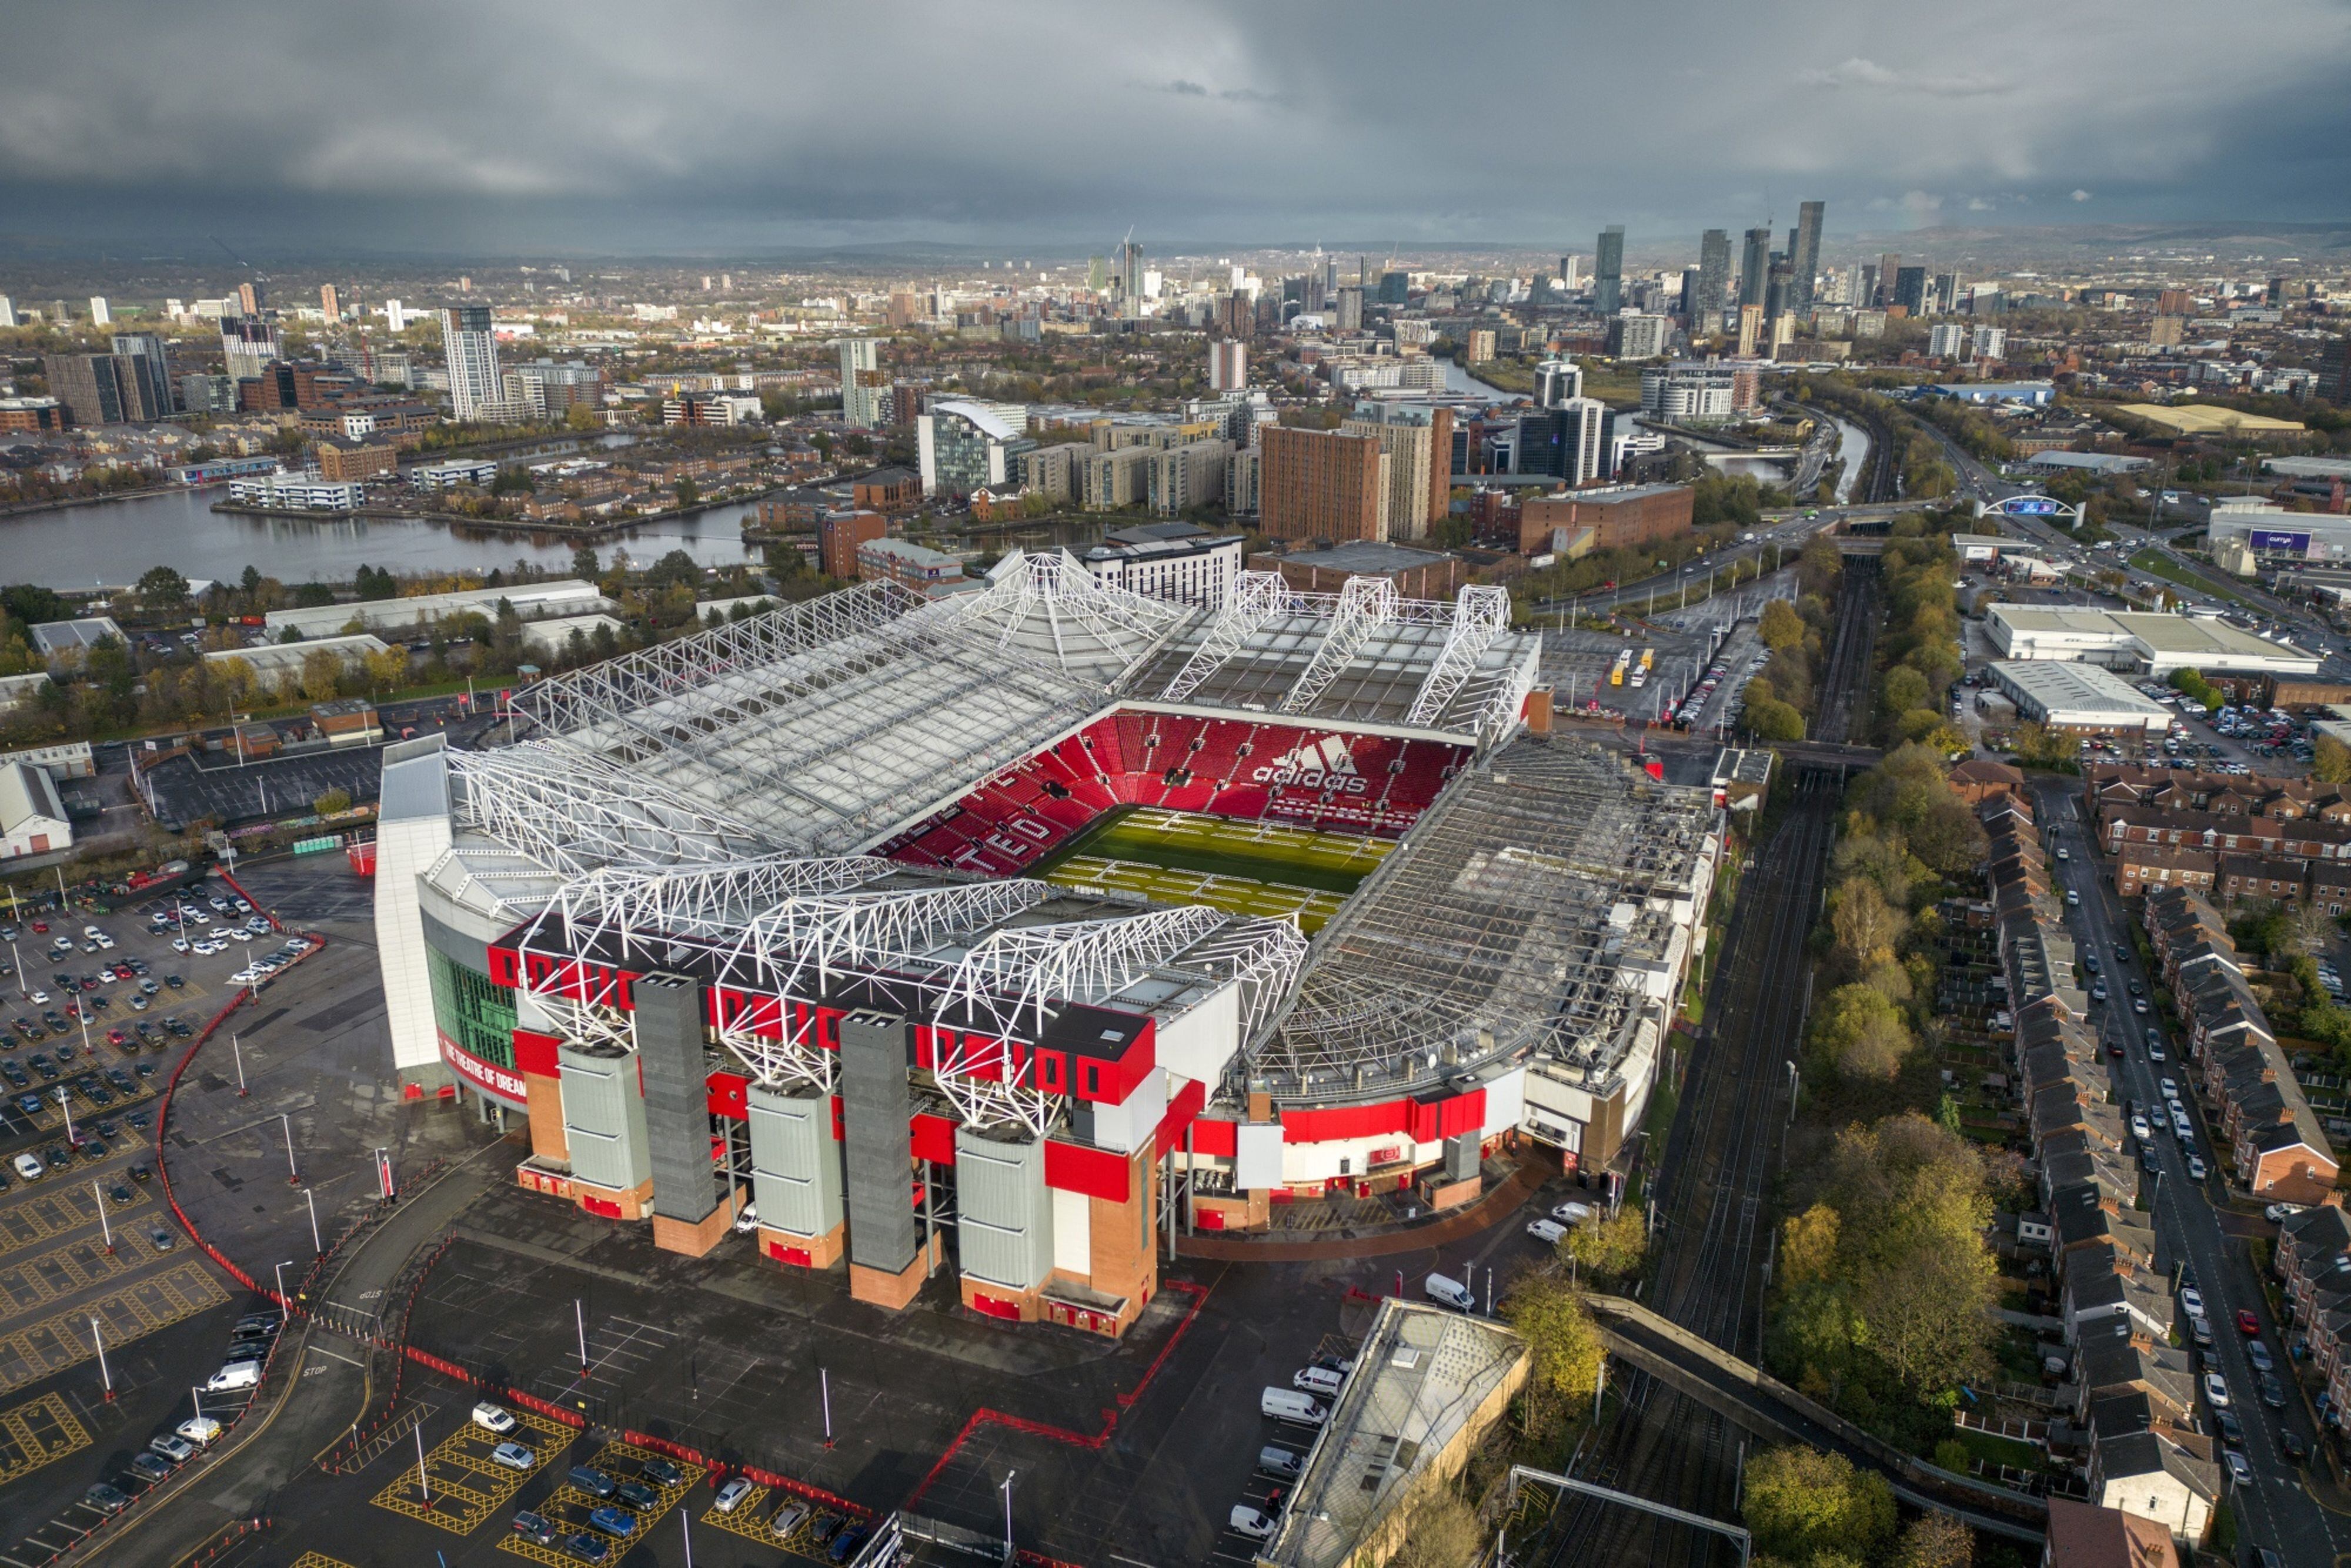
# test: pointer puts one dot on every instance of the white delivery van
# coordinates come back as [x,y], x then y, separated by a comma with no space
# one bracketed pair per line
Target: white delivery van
[1451,1293]
[1288,1405]
[1319,1381]
[236,1375]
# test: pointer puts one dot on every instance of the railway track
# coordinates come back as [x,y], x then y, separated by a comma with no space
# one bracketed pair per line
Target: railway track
[1713,1222]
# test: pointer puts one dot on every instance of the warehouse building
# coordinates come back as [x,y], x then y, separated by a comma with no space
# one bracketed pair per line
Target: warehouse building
[2079,698]
[2151,642]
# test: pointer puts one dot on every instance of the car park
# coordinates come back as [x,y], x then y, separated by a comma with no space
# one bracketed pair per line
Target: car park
[161,1240]
[844,1545]
[1549,1232]
[106,1498]
[1571,1213]
[662,1473]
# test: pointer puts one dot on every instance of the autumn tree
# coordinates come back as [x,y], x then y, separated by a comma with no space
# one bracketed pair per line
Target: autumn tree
[1564,1347]
[1610,1247]
[1804,1505]
[2330,761]
[1781,625]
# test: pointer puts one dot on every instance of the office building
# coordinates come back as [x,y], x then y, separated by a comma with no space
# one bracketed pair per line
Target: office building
[1417,441]
[1910,289]
[1943,298]
[1804,255]
[1556,381]
[1321,485]
[934,574]
[864,389]
[1713,281]
[1778,287]
[476,390]
[1618,515]
[1569,443]
[108,389]
[1130,278]
[1395,288]
[968,445]
[1755,267]
[30,416]
[1608,271]
[248,343]
[1228,365]
[330,303]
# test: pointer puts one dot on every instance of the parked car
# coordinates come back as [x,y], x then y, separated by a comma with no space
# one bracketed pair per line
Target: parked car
[494,1417]
[535,1528]
[731,1494]
[514,1456]
[2216,1389]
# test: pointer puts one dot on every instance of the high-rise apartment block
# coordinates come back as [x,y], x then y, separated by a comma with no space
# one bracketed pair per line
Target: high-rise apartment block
[1910,289]
[864,389]
[1608,271]
[1228,365]
[101,313]
[1351,310]
[1556,381]
[1416,440]
[7,312]
[1755,267]
[1889,265]
[248,298]
[1990,342]
[151,372]
[1713,281]
[1750,329]
[1321,485]
[1638,337]
[330,302]
[477,390]
[248,344]
[1804,256]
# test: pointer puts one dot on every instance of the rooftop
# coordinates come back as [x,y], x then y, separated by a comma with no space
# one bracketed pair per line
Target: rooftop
[57,636]
[2062,685]
[2203,419]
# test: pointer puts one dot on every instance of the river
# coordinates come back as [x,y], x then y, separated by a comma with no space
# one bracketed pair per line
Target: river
[111,542]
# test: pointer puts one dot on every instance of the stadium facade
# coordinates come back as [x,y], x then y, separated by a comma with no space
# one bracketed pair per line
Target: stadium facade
[751,917]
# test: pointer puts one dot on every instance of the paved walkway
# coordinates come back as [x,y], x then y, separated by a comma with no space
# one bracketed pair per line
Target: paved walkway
[1411,1236]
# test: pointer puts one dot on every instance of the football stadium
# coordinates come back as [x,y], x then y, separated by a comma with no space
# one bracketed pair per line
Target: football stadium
[1004,932]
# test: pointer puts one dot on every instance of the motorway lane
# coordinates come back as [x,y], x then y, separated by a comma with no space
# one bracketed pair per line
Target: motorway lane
[2277,1510]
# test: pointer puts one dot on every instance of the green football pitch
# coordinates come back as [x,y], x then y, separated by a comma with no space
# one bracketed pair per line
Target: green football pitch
[1248,868]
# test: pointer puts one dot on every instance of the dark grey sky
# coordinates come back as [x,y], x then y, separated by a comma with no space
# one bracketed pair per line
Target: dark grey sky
[727,126]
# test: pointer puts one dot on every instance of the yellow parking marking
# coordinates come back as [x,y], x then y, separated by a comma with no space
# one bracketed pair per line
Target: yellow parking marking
[319,1560]
[29,1282]
[40,1217]
[30,1354]
[567,1507]
[35,1433]
[749,1520]
[468,1485]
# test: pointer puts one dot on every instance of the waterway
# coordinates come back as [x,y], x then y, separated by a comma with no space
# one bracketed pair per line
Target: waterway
[1852,451]
[111,542]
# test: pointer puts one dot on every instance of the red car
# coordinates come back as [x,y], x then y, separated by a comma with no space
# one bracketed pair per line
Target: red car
[42,926]
[115,1037]
[2247,1323]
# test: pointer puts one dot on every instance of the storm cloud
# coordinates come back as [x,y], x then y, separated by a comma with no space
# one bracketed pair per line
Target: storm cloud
[513,125]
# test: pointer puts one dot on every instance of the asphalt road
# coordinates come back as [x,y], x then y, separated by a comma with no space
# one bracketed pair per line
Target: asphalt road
[2276,1510]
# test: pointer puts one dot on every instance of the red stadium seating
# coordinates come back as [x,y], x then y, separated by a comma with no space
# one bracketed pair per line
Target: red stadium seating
[1331,780]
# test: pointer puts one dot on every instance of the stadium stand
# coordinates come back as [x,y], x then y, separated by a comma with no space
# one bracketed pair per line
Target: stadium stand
[1330,779]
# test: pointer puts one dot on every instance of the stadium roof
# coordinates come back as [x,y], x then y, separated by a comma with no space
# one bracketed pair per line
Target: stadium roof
[825,728]
[1528,895]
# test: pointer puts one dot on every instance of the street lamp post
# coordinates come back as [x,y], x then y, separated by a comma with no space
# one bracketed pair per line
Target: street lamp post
[293,1176]
[311,1198]
[104,1229]
[285,1311]
[1007,1489]
[66,1107]
[238,1052]
[98,1339]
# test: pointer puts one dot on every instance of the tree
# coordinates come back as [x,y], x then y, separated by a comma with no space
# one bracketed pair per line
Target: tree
[583,564]
[1781,625]
[163,589]
[1936,1541]
[1443,1532]
[387,671]
[1867,929]
[249,579]
[322,676]
[332,801]
[1801,1504]
[688,493]
[1564,1345]
[1771,719]
[2330,761]
[1858,1033]
[1609,1247]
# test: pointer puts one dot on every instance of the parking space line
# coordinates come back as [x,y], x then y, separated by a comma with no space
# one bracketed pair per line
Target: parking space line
[459,1506]
[569,1507]
[33,1281]
[32,1353]
[319,1560]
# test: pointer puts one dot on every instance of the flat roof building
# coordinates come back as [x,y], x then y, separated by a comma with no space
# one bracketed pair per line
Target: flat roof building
[531,601]
[2138,640]
[2074,697]
[51,638]
[1180,562]
[270,660]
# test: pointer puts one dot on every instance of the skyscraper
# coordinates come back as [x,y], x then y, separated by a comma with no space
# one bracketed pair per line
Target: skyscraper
[1350,305]
[1571,274]
[1556,382]
[473,354]
[1713,280]
[1130,277]
[1889,266]
[863,386]
[1755,267]
[101,314]
[248,298]
[1910,289]
[1608,271]
[1804,256]
[330,302]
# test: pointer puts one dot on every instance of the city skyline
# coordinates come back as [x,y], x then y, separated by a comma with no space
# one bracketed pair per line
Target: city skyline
[734,129]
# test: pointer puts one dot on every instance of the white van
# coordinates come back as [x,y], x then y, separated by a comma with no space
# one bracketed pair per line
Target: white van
[1317,1380]
[236,1375]
[1286,1405]
[28,1168]
[1451,1293]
